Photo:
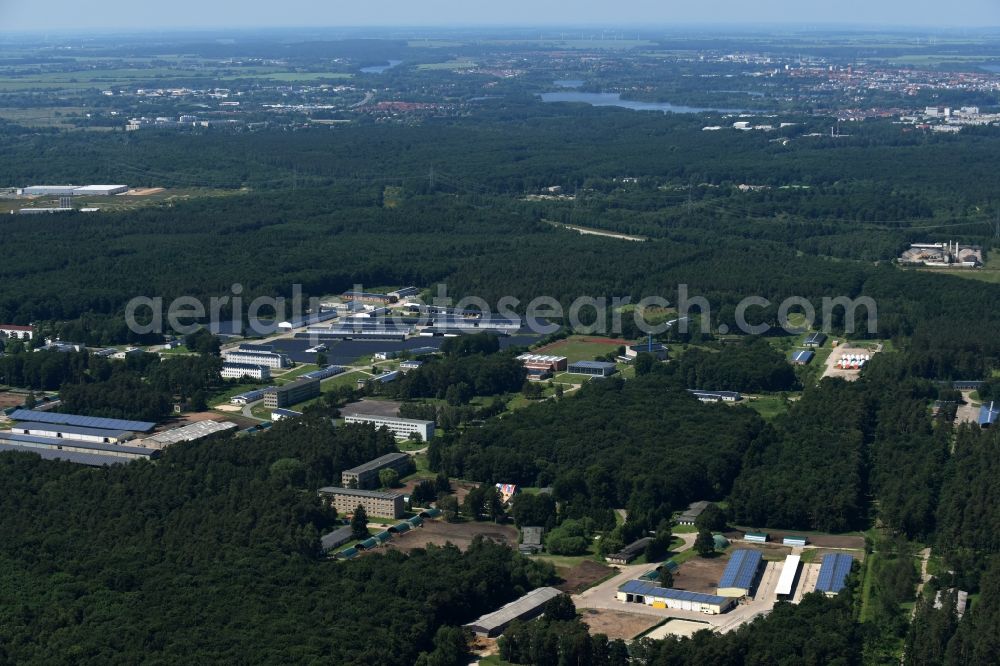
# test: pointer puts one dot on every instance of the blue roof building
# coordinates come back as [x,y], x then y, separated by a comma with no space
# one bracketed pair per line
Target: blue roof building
[84,421]
[595,368]
[642,592]
[833,573]
[740,575]
[803,357]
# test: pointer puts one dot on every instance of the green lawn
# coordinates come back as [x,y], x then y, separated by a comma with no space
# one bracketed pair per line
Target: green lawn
[297,371]
[768,406]
[580,348]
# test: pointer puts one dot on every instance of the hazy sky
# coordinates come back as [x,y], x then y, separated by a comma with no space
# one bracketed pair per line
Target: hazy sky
[114,14]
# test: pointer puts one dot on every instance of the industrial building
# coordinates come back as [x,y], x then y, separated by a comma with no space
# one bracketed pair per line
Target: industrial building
[740,575]
[334,539]
[84,421]
[794,541]
[988,414]
[630,552]
[690,516]
[346,500]
[291,393]
[803,357]
[755,537]
[406,366]
[323,373]
[594,368]
[384,378]
[72,190]
[527,607]
[654,348]
[15,332]
[816,339]
[716,396]
[542,365]
[368,297]
[90,453]
[248,397]
[282,414]
[399,427]
[230,370]
[366,475]
[71,433]
[404,292]
[531,540]
[642,592]
[257,355]
[833,573]
[191,432]
[789,576]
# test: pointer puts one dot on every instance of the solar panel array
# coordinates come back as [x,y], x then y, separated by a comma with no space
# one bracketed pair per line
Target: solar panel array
[833,572]
[84,421]
[741,570]
[651,590]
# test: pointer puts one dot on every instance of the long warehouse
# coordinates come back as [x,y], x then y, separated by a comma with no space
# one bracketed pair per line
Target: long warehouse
[641,592]
[740,576]
[789,574]
[526,608]
[833,573]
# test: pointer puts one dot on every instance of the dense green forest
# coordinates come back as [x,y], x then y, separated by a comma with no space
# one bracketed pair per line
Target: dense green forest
[212,554]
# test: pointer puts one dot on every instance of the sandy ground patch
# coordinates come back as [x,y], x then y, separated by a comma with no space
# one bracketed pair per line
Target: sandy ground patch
[677,628]
[439,532]
[617,624]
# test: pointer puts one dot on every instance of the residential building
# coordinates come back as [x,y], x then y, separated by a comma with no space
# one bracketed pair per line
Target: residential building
[271,359]
[527,607]
[630,552]
[366,475]
[346,500]
[649,594]
[400,427]
[594,368]
[291,393]
[15,332]
[261,373]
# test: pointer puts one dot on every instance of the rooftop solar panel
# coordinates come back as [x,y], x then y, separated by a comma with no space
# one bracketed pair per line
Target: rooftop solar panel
[833,572]
[741,570]
[85,421]
[651,590]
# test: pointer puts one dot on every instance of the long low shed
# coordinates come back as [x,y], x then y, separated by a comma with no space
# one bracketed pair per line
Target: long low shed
[789,574]
[833,573]
[526,608]
[84,421]
[642,592]
[741,573]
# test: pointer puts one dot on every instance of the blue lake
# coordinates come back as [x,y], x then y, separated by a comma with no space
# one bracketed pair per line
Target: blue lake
[615,99]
